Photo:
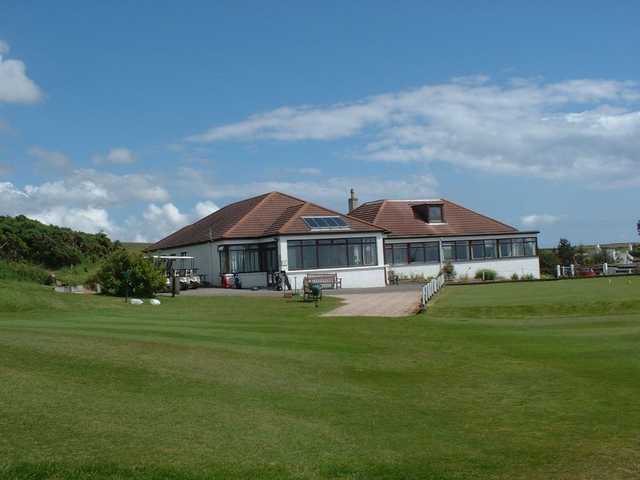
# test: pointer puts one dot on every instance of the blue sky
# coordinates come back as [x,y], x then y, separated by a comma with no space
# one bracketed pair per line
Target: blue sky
[138,117]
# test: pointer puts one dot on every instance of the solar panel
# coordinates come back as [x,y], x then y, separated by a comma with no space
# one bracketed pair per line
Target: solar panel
[325,223]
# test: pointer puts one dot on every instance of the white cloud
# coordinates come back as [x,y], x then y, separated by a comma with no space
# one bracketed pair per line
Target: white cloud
[49,159]
[538,219]
[576,129]
[334,189]
[15,85]
[158,221]
[91,220]
[205,208]
[115,156]
[84,192]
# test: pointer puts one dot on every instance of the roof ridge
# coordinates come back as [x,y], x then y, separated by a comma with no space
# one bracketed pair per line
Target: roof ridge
[296,213]
[243,217]
[224,208]
[346,215]
[480,214]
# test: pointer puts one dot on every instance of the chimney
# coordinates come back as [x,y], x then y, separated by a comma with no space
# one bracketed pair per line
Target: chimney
[353,201]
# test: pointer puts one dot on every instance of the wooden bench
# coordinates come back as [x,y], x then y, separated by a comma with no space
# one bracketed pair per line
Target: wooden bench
[325,280]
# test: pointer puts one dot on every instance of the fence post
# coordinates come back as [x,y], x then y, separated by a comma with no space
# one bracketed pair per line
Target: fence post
[573,270]
[605,268]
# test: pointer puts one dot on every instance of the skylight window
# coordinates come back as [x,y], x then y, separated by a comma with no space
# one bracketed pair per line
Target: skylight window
[325,223]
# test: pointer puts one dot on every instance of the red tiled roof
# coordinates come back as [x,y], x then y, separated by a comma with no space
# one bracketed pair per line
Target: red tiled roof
[401,219]
[269,214]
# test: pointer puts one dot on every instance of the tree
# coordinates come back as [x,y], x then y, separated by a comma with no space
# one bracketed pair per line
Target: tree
[566,252]
[548,261]
[635,253]
[124,268]
[581,255]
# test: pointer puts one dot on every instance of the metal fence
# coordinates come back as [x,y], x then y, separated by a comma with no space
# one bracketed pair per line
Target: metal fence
[431,288]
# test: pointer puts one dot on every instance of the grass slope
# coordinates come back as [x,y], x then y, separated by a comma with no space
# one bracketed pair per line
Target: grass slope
[264,388]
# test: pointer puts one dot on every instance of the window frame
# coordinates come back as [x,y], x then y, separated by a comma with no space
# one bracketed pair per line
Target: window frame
[263,252]
[348,242]
[408,246]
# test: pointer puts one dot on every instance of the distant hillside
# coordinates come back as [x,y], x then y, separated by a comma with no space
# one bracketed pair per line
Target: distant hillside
[25,240]
[136,246]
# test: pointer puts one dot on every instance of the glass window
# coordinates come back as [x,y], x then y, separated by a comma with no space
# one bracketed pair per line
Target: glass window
[355,251]
[505,248]
[435,213]
[462,250]
[448,251]
[309,254]
[530,247]
[489,249]
[330,253]
[369,250]
[340,253]
[477,249]
[388,254]
[432,252]
[416,253]
[518,247]
[400,253]
[294,252]
[455,251]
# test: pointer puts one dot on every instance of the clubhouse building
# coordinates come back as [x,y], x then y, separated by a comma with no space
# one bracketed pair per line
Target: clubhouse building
[274,232]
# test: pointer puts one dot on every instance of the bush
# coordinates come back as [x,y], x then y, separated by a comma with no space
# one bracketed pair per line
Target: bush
[144,279]
[515,277]
[486,274]
[448,270]
[23,272]
[26,240]
[548,261]
[528,277]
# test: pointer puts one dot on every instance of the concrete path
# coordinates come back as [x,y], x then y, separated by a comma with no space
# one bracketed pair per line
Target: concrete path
[388,302]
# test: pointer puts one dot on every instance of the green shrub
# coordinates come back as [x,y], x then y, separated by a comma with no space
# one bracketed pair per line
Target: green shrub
[26,240]
[23,272]
[486,274]
[528,277]
[548,261]
[515,277]
[144,278]
[448,270]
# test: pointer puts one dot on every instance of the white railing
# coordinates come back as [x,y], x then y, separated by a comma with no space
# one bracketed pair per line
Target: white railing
[431,288]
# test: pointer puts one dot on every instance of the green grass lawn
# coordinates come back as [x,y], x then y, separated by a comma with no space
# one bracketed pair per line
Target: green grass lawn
[512,381]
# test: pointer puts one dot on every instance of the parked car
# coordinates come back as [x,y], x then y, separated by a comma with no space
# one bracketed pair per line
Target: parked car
[587,272]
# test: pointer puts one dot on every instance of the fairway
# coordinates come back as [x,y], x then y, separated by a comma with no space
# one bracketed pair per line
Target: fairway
[530,380]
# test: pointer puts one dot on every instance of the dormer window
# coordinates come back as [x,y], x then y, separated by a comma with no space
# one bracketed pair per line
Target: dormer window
[429,212]
[434,214]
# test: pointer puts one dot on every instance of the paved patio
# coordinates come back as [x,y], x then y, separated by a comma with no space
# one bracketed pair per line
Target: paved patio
[393,301]
[397,301]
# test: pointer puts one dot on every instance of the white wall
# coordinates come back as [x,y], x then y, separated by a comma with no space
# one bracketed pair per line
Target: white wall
[406,271]
[504,267]
[352,277]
